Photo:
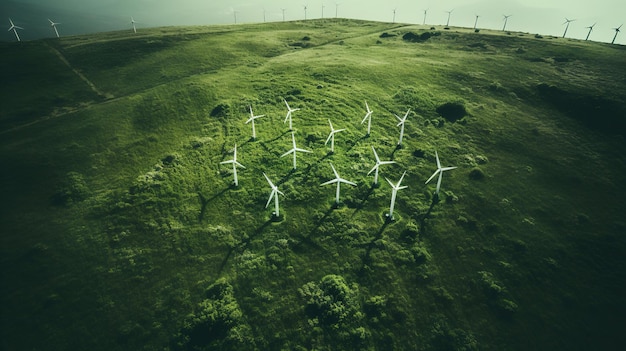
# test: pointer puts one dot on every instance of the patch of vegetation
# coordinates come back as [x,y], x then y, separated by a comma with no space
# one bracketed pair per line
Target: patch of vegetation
[452,111]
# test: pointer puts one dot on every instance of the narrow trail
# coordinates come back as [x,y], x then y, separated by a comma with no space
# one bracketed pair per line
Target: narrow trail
[78,73]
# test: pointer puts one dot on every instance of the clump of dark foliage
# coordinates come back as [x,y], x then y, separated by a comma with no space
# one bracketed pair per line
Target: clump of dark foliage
[221,110]
[452,111]
[419,38]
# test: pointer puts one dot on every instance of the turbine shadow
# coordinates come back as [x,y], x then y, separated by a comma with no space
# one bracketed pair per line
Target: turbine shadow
[425,216]
[320,221]
[361,204]
[279,136]
[242,245]
[366,258]
[204,202]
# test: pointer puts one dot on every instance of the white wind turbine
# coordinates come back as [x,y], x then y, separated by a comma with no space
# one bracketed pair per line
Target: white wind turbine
[377,165]
[289,111]
[337,180]
[54,26]
[251,120]
[401,123]
[132,21]
[448,21]
[567,22]
[506,19]
[590,29]
[273,194]
[294,150]
[394,191]
[439,171]
[14,28]
[331,136]
[368,117]
[235,164]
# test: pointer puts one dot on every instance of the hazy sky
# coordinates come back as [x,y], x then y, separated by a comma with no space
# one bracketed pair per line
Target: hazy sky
[534,16]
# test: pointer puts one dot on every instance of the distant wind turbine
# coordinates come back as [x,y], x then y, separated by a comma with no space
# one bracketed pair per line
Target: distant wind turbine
[273,194]
[394,15]
[368,118]
[289,111]
[305,7]
[476,21]
[506,19]
[323,10]
[394,191]
[337,180]
[251,120]
[377,166]
[590,29]
[401,123]
[235,164]
[283,14]
[616,33]
[331,136]
[294,150]
[235,14]
[132,21]
[336,9]
[567,22]
[264,15]
[449,13]
[54,26]
[14,28]
[439,171]
[425,12]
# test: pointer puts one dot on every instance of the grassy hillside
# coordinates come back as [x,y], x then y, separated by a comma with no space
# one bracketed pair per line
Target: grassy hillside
[121,230]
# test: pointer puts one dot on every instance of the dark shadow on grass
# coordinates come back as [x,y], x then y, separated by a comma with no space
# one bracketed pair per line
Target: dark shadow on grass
[422,218]
[243,244]
[361,204]
[286,177]
[279,136]
[205,201]
[366,258]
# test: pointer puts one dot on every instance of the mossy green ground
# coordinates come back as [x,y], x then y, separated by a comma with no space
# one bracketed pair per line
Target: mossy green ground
[121,230]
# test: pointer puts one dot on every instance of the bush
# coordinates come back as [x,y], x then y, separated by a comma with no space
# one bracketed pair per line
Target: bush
[452,111]
[74,189]
[476,174]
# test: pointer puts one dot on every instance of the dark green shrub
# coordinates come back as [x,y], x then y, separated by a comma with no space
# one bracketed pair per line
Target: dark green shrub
[74,189]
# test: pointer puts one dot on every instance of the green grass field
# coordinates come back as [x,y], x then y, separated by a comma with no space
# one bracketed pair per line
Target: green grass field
[121,230]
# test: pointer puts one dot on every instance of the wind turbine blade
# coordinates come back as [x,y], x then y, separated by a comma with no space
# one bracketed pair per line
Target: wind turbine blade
[368,107]
[302,150]
[330,182]
[402,187]
[340,130]
[329,136]
[390,183]
[437,157]
[439,182]
[239,164]
[433,176]
[335,171]
[373,169]
[280,192]
[270,198]
[288,108]
[227,162]
[401,178]
[341,180]
[269,181]
[288,152]
[376,155]
[447,168]
[386,162]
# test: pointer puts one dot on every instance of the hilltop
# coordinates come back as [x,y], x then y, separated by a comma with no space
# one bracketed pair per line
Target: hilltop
[121,230]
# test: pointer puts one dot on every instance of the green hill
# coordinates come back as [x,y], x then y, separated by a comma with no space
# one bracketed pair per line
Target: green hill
[121,230]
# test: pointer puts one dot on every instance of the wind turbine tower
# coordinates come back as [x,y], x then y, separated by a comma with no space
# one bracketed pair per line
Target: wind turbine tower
[394,15]
[368,117]
[616,33]
[294,150]
[251,120]
[54,26]
[132,21]
[567,22]
[323,10]
[235,164]
[425,12]
[506,19]
[336,9]
[476,22]
[235,14]
[14,28]
[439,171]
[401,125]
[394,192]
[449,13]
[331,136]
[377,166]
[337,180]
[283,14]
[305,7]
[590,29]
[273,194]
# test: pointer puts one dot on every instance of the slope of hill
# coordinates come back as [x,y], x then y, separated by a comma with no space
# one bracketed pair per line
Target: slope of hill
[121,229]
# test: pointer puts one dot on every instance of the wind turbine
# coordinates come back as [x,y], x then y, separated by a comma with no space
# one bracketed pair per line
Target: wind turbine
[289,111]
[235,164]
[377,165]
[394,15]
[368,117]
[273,194]
[251,119]
[305,7]
[264,15]
[394,191]
[476,21]
[132,21]
[449,13]
[14,28]
[439,171]
[337,180]
[616,33]
[323,10]
[331,136]
[567,21]
[294,150]
[401,123]
[336,9]
[54,26]
[235,14]
[590,29]
[506,19]
[425,12]
[283,14]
